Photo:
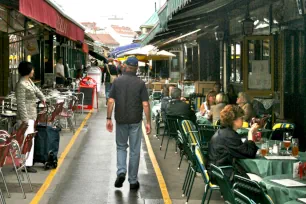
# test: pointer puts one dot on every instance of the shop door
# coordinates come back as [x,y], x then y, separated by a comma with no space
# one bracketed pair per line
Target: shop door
[294,83]
[258,66]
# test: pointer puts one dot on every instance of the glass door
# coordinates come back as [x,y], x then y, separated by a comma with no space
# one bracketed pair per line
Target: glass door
[258,66]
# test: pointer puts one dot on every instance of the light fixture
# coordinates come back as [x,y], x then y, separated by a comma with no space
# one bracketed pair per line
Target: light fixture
[247,23]
[219,34]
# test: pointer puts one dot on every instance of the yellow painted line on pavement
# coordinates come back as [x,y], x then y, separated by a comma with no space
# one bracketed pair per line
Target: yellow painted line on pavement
[159,175]
[53,172]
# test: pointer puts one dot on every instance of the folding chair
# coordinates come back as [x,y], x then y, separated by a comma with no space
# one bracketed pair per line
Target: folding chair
[172,124]
[57,110]
[210,187]
[18,157]
[223,183]
[206,133]
[19,134]
[252,190]
[80,96]
[4,151]
[242,199]
[68,112]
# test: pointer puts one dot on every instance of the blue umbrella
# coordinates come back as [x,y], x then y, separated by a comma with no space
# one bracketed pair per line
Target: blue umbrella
[119,50]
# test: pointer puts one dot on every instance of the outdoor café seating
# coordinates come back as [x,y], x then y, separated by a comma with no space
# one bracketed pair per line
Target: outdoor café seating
[268,168]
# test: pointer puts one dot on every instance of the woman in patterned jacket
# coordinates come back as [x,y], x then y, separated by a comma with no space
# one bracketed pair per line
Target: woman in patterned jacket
[26,95]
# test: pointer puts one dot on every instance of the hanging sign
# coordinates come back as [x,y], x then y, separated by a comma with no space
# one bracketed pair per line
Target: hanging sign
[31,46]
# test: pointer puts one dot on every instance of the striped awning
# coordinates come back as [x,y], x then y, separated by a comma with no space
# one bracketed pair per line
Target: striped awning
[175,5]
[151,35]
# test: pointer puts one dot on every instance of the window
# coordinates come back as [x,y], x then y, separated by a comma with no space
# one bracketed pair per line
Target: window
[259,64]
[236,74]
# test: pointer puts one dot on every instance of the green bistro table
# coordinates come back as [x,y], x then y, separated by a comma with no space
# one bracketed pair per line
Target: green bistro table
[264,167]
[293,202]
[281,194]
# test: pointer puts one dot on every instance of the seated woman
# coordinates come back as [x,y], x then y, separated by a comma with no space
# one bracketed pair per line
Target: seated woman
[244,102]
[226,145]
[205,107]
[221,102]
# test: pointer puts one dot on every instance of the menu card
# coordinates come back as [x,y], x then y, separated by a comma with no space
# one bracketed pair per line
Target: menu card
[280,157]
[302,200]
[289,183]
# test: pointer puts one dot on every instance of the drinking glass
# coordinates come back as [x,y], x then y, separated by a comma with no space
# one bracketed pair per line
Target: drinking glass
[295,147]
[264,148]
[287,141]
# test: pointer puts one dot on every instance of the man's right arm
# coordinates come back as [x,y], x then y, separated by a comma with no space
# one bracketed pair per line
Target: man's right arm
[146,108]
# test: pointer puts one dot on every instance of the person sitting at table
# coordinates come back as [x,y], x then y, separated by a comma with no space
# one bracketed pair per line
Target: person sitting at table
[210,101]
[231,94]
[217,87]
[221,102]
[26,95]
[226,145]
[177,107]
[166,99]
[244,102]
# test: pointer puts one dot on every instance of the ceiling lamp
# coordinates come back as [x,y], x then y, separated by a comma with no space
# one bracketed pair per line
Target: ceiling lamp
[247,23]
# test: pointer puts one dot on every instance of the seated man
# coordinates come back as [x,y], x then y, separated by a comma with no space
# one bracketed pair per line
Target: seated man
[166,99]
[179,108]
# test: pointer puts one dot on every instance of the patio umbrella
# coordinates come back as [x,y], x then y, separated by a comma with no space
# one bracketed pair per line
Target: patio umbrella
[142,51]
[161,55]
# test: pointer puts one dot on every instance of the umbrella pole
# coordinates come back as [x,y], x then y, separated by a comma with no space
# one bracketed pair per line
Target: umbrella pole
[155,68]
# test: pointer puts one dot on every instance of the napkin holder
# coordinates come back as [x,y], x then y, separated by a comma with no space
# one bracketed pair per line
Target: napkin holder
[302,169]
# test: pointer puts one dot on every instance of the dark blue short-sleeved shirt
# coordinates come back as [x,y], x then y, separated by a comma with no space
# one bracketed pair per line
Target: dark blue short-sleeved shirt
[129,92]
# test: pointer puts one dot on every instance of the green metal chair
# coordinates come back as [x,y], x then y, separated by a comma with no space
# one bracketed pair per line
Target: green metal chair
[173,128]
[223,183]
[188,150]
[209,186]
[279,128]
[252,190]
[206,132]
[242,199]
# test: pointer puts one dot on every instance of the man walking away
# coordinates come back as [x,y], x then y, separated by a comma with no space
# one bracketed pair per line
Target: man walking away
[130,95]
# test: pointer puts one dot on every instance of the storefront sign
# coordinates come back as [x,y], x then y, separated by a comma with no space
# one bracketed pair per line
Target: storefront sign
[61,25]
[31,46]
[45,13]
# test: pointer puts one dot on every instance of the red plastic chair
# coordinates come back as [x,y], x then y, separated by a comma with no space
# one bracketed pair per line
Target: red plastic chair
[4,151]
[19,134]
[58,109]
[18,157]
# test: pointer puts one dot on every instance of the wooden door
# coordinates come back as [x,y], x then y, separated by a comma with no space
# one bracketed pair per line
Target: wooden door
[258,66]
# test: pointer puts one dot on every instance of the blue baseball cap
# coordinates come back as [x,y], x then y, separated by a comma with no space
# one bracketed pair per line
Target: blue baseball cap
[132,61]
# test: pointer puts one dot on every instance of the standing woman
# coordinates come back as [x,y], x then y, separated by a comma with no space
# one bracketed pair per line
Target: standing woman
[26,95]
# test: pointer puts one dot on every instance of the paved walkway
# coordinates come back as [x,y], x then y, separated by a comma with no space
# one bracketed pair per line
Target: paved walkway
[92,172]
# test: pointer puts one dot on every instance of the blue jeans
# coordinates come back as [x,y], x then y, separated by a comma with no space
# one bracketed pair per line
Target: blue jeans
[133,133]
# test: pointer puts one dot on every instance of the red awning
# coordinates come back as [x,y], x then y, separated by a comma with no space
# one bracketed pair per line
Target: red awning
[43,12]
